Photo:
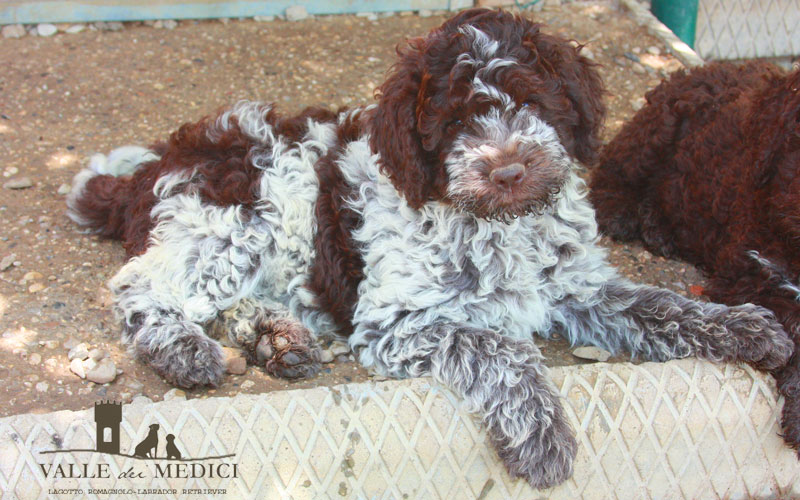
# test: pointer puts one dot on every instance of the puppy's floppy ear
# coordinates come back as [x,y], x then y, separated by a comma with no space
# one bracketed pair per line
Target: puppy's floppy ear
[582,86]
[395,133]
[585,89]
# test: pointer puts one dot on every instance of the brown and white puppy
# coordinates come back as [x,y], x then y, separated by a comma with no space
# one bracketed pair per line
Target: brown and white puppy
[437,231]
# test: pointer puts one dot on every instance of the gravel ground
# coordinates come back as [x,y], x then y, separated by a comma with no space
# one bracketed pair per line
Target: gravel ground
[67,96]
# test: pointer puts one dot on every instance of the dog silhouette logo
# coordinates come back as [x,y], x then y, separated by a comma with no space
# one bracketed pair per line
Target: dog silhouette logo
[149,445]
[108,417]
[172,451]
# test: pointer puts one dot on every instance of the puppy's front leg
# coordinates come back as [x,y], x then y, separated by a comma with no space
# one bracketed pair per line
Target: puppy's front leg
[662,325]
[501,379]
[201,260]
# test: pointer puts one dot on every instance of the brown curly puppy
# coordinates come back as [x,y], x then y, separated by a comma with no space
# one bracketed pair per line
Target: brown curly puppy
[709,171]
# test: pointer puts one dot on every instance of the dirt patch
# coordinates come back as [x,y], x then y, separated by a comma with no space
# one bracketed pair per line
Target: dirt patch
[68,96]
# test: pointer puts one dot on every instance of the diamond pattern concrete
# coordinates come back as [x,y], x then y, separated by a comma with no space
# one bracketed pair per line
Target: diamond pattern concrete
[681,429]
[738,29]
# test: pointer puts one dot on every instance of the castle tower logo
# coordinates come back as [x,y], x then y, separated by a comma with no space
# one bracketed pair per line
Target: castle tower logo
[107,417]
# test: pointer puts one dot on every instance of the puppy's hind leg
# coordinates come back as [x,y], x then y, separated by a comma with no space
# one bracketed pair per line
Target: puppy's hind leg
[201,260]
[272,337]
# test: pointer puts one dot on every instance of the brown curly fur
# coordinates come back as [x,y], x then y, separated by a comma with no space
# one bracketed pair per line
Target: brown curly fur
[119,207]
[709,171]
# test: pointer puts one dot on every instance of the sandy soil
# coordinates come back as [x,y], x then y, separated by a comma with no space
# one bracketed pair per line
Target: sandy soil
[65,97]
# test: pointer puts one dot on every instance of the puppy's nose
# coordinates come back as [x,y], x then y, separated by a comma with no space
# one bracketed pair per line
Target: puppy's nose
[506,177]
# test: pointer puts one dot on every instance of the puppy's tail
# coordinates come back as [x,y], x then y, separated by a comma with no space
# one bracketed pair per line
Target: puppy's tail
[101,192]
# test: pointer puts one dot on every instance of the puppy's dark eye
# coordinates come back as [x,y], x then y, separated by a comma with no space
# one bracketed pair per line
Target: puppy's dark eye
[453,124]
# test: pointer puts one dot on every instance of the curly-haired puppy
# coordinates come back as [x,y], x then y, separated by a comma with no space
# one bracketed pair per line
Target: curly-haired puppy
[437,230]
[709,171]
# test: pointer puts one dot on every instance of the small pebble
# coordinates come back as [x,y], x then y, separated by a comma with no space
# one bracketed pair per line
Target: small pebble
[7,262]
[80,352]
[32,276]
[654,50]
[75,28]
[174,394]
[638,103]
[338,348]
[591,352]
[104,372]
[169,24]
[35,358]
[14,31]
[325,356]
[425,13]
[296,13]
[64,189]
[98,354]
[19,183]
[36,287]
[46,29]
[235,362]
[42,387]
[247,384]
[638,68]
[369,16]
[76,367]
[259,19]
[89,364]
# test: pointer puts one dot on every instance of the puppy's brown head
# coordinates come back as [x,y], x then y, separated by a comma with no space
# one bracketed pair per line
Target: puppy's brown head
[486,112]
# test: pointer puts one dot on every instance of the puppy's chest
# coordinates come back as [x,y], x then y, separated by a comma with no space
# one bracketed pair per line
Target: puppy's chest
[487,274]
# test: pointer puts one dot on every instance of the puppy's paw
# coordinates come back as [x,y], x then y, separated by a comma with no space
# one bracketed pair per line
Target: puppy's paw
[545,458]
[286,349]
[188,361]
[761,340]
